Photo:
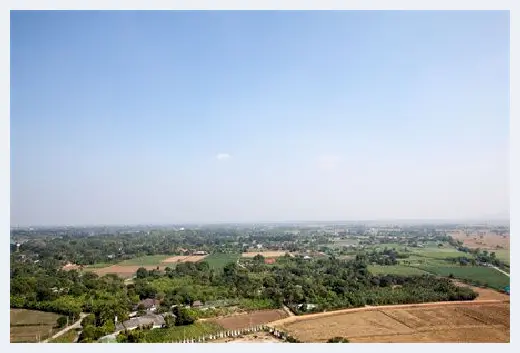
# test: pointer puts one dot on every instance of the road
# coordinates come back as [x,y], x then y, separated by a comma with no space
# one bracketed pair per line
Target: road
[505,273]
[73,326]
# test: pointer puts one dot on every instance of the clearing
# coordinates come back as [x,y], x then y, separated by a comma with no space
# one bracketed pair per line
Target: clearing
[32,325]
[254,318]
[476,321]
[177,259]
[264,253]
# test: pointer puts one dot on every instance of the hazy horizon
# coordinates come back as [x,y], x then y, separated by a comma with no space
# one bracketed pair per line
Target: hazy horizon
[235,117]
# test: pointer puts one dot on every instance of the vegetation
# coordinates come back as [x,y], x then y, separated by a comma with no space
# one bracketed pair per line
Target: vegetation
[338,340]
[67,337]
[171,334]
[478,276]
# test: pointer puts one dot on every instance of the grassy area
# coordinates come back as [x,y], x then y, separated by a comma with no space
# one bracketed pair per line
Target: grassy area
[396,270]
[476,275]
[153,260]
[503,255]
[178,333]
[67,337]
[218,261]
[439,253]
[32,325]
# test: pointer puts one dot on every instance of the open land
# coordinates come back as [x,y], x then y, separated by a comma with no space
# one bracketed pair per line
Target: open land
[487,241]
[264,253]
[32,325]
[177,259]
[251,319]
[477,321]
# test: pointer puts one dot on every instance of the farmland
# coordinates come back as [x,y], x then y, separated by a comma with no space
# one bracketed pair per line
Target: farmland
[264,253]
[122,271]
[177,259]
[178,333]
[482,275]
[32,325]
[218,261]
[252,319]
[154,260]
[443,322]
[396,270]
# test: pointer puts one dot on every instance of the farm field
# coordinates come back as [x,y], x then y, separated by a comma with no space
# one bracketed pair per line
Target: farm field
[264,253]
[396,270]
[258,337]
[218,261]
[178,333]
[451,322]
[247,320]
[31,325]
[485,275]
[503,255]
[68,337]
[488,241]
[178,259]
[439,253]
[154,260]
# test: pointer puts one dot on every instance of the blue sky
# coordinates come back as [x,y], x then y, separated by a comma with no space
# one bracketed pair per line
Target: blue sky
[166,117]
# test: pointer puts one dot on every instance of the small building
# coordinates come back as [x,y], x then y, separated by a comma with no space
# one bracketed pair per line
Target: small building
[199,253]
[156,321]
[197,304]
[148,304]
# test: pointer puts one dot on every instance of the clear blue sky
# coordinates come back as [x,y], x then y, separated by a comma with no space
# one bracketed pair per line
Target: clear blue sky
[166,117]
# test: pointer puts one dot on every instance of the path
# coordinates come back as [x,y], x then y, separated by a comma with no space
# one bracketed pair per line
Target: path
[504,272]
[74,325]
[288,311]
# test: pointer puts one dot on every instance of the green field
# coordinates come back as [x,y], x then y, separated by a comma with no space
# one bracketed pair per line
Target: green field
[503,255]
[218,261]
[439,253]
[153,260]
[178,333]
[67,337]
[483,275]
[396,270]
[32,325]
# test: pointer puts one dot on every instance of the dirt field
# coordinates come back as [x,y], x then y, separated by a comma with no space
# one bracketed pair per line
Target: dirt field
[123,271]
[264,253]
[31,325]
[251,319]
[477,321]
[176,259]
[488,241]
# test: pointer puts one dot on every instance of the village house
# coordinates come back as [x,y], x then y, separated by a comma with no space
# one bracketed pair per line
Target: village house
[156,321]
[148,304]
[199,253]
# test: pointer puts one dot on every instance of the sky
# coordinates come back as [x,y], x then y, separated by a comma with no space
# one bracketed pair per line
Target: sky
[176,117]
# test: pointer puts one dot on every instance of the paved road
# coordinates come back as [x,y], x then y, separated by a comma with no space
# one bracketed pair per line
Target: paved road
[496,268]
[73,326]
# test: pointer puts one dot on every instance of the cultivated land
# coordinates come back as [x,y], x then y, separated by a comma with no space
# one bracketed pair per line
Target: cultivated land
[177,259]
[218,261]
[399,270]
[32,325]
[484,275]
[264,253]
[251,319]
[477,321]
[153,260]
[489,241]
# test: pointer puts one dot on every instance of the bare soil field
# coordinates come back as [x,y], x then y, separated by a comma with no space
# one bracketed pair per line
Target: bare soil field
[476,321]
[252,319]
[176,259]
[123,271]
[489,241]
[485,293]
[264,253]
[69,267]
[31,325]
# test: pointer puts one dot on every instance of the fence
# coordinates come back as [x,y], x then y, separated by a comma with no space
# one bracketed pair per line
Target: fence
[241,332]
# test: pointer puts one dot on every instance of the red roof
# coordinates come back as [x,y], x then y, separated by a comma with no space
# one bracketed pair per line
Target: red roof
[269,261]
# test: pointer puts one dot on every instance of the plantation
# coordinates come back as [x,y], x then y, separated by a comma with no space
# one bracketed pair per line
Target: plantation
[218,261]
[474,275]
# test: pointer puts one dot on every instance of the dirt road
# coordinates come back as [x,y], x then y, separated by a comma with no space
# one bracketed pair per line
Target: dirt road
[73,326]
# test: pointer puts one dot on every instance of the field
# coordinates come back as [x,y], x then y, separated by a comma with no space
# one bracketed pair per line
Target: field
[396,270]
[154,260]
[485,275]
[123,271]
[264,253]
[218,261]
[178,333]
[443,322]
[488,241]
[252,319]
[503,255]
[176,259]
[32,325]
[68,337]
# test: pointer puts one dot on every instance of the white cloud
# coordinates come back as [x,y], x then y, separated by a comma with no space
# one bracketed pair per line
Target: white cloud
[223,156]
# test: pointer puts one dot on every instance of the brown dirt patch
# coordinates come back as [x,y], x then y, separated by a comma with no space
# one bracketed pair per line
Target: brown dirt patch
[258,337]
[436,322]
[176,259]
[31,325]
[488,241]
[264,253]
[123,271]
[485,293]
[251,319]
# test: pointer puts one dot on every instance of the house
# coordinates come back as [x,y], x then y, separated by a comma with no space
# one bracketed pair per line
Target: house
[269,261]
[197,304]
[156,321]
[148,304]
[307,257]
[307,306]
[199,253]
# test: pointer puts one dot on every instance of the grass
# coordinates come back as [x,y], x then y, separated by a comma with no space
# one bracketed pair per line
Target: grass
[503,255]
[152,260]
[31,325]
[439,253]
[396,270]
[67,337]
[218,261]
[178,333]
[474,274]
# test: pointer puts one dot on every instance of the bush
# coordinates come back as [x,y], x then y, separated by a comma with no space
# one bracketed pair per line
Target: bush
[338,340]
[62,321]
